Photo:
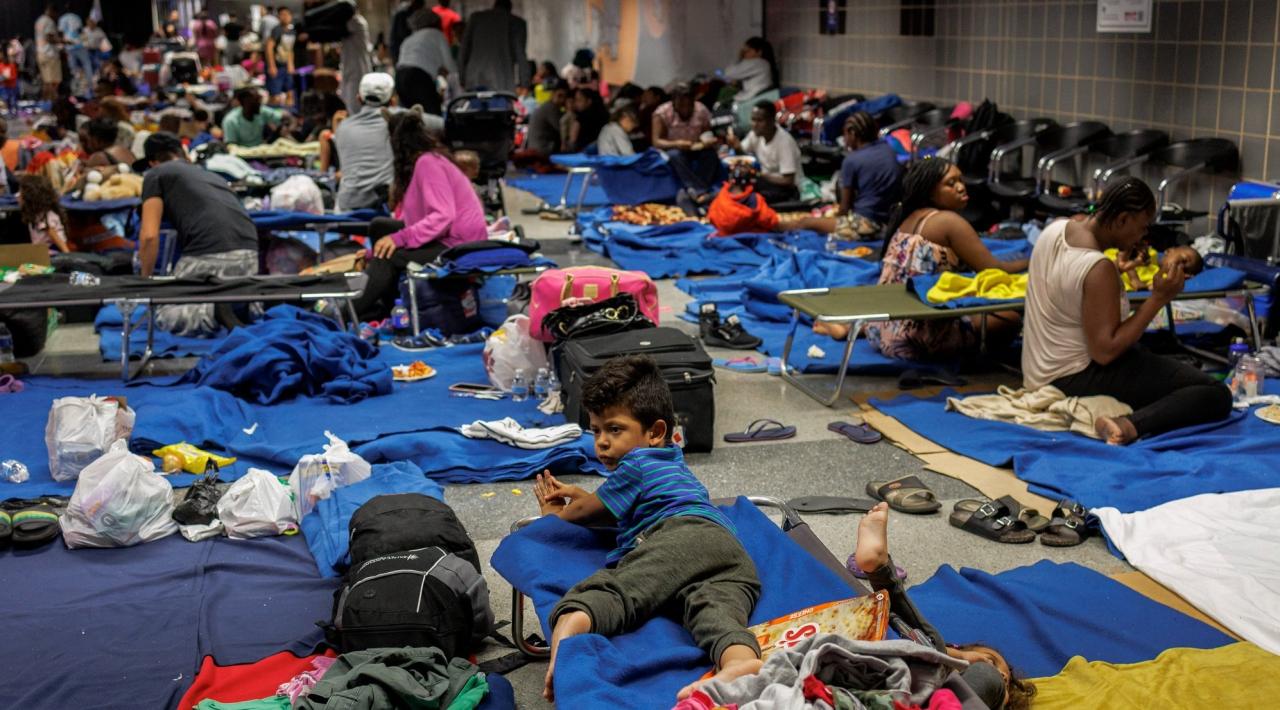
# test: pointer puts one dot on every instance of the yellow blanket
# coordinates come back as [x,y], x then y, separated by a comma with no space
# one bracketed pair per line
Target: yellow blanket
[1239,675]
[996,284]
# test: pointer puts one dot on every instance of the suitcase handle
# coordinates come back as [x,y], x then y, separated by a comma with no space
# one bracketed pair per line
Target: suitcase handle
[566,291]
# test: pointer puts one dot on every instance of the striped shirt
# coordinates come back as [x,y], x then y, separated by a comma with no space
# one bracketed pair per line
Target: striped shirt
[649,486]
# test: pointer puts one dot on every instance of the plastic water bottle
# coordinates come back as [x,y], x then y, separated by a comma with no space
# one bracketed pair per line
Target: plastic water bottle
[400,318]
[540,384]
[833,244]
[519,387]
[1238,350]
[1247,378]
[553,384]
[13,471]
[6,344]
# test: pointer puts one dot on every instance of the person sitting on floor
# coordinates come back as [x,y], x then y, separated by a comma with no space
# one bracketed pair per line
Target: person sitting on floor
[41,211]
[777,152]
[615,137]
[930,237]
[248,124]
[1080,336]
[682,129]
[870,179]
[588,117]
[543,138]
[989,674]
[436,208]
[215,235]
[654,498]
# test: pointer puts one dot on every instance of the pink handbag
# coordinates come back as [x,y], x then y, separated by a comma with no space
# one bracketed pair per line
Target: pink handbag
[554,287]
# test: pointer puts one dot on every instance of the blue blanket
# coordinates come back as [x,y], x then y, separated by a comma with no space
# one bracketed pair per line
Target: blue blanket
[645,668]
[549,187]
[628,179]
[282,219]
[835,123]
[292,353]
[124,203]
[1041,615]
[130,626]
[1219,279]
[326,527]
[1235,454]
[164,344]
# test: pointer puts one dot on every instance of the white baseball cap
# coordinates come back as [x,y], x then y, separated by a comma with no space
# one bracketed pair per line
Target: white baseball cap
[376,88]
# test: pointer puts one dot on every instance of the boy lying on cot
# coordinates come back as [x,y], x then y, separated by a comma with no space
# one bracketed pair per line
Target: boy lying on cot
[673,546]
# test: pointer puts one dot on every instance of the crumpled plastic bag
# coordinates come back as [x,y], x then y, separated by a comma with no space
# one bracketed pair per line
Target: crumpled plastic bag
[119,501]
[317,475]
[512,348]
[299,193]
[256,505]
[80,430]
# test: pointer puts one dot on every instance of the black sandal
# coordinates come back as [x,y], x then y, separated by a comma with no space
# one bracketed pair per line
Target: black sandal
[991,519]
[1067,527]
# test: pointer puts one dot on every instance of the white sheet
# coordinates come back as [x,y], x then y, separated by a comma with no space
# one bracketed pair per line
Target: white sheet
[1221,552]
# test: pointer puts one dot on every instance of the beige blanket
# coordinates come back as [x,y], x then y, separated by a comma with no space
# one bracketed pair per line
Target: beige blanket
[1046,409]
[281,148]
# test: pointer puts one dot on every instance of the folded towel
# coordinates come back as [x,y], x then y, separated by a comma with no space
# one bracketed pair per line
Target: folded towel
[1047,409]
[509,431]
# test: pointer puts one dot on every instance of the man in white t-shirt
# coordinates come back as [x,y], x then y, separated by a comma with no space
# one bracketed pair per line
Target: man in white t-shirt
[49,53]
[777,153]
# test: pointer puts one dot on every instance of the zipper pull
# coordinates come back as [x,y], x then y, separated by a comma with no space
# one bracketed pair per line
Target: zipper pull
[687,377]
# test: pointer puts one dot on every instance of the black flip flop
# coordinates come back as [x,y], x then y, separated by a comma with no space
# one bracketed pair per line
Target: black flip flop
[6,527]
[860,433]
[915,379]
[906,495]
[759,430]
[1067,527]
[35,521]
[830,504]
[992,520]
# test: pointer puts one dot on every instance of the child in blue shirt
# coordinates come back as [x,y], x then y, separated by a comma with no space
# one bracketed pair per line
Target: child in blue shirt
[674,548]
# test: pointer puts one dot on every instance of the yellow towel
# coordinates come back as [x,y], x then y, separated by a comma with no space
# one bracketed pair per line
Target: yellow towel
[1239,675]
[989,283]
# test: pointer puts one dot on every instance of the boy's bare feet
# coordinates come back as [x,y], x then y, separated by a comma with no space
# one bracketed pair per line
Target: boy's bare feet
[569,624]
[735,662]
[838,331]
[872,549]
[1116,431]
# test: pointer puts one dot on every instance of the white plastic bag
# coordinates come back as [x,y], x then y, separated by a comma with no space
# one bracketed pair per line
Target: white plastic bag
[511,348]
[257,504]
[82,429]
[316,475]
[299,193]
[119,501]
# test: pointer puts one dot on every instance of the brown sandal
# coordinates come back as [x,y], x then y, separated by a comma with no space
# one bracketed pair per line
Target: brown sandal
[906,495]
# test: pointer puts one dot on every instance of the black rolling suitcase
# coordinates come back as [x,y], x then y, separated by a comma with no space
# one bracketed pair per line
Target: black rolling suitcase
[685,366]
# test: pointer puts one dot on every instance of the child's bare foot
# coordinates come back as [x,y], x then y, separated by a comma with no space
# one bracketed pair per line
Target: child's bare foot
[729,670]
[569,624]
[872,549]
[1116,431]
[838,331]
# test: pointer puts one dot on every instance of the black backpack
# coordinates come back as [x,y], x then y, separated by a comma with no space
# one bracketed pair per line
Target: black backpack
[420,597]
[388,524]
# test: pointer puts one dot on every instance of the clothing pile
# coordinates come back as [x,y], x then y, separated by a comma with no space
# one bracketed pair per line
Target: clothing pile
[1046,409]
[509,431]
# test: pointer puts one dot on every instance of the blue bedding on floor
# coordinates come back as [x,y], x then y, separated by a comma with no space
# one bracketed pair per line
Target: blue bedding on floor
[292,353]
[550,186]
[285,219]
[127,628]
[164,344]
[1219,279]
[1235,454]
[326,527]
[644,669]
[1041,615]
[628,179]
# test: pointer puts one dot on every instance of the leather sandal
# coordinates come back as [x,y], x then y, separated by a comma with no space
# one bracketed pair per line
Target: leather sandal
[991,519]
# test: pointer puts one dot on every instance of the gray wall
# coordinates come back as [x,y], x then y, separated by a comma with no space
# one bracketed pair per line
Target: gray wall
[1208,68]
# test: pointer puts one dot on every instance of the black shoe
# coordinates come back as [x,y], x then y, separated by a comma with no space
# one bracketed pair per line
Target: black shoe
[708,320]
[730,334]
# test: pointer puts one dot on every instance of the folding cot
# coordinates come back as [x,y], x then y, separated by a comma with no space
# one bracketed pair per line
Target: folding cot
[130,292]
[858,306]
[626,179]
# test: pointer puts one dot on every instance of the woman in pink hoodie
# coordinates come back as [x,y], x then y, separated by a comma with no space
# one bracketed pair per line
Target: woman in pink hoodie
[436,208]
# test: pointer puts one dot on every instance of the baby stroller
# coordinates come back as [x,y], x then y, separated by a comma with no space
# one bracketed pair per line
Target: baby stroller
[180,68]
[484,122]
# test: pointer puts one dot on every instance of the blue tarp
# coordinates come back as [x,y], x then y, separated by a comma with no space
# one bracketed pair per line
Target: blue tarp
[549,187]
[1235,454]
[292,353]
[628,179]
[1220,279]
[129,627]
[645,668]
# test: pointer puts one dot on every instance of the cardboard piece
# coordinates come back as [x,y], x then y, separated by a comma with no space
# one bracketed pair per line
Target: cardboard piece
[991,481]
[1153,590]
[16,255]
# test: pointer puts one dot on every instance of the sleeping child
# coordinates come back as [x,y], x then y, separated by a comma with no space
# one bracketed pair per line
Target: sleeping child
[673,546]
[1141,269]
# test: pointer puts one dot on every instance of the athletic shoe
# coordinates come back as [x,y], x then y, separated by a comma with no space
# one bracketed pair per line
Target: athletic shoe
[730,334]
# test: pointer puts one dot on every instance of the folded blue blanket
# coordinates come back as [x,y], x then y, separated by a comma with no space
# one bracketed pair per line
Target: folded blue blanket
[1235,454]
[629,179]
[326,527]
[645,668]
[1219,279]
[488,262]
[1041,615]
[835,122]
[292,353]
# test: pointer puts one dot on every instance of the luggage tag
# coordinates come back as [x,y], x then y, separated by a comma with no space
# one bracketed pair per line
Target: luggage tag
[677,436]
